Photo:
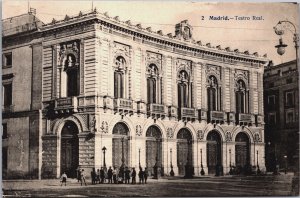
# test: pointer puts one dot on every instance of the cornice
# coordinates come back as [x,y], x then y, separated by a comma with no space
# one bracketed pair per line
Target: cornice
[137,32]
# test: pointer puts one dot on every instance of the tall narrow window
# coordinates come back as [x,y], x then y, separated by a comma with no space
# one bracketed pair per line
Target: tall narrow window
[119,77]
[7,95]
[4,131]
[7,60]
[213,94]
[241,97]
[72,76]
[184,87]
[153,84]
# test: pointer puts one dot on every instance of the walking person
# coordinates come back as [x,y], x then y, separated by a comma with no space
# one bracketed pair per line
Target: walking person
[109,175]
[82,178]
[102,175]
[63,179]
[141,176]
[127,175]
[115,175]
[133,175]
[98,176]
[146,175]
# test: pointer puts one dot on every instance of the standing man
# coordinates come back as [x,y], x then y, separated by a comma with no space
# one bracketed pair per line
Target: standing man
[102,175]
[141,176]
[146,175]
[93,176]
[115,175]
[127,176]
[109,175]
[78,174]
[64,179]
[133,175]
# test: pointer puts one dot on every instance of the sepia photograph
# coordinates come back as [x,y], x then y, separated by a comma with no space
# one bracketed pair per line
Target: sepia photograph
[150,99]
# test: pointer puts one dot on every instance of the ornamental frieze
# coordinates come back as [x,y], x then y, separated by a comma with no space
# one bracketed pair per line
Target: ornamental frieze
[228,136]
[170,133]
[104,127]
[241,74]
[138,130]
[68,54]
[200,135]
[184,65]
[154,58]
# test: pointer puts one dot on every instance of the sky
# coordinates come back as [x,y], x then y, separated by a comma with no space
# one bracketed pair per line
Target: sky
[252,35]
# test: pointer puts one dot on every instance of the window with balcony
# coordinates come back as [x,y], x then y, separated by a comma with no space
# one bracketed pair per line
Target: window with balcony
[289,99]
[7,95]
[7,59]
[184,90]
[119,78]
[213,94]
[241,97]
[153,84]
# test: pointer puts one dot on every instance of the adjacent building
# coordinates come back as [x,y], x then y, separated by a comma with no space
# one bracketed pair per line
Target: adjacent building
[113,93]
[281,101]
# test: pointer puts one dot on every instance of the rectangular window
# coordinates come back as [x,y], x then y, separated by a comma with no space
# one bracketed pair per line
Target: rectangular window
[7,95]
[4,158]
[271,100]
[289,117]
[289,98]
[272,119]
[7,59]
[4,131]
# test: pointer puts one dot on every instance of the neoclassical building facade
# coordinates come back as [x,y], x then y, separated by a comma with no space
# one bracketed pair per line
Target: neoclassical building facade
[117,93]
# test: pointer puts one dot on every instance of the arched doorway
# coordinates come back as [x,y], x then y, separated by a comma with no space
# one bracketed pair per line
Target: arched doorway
[69,160]
[242,150]
[214,151]
[120,145]
[184,150]
[153,149]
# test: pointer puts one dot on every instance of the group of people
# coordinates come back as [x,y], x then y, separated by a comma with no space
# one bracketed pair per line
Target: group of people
[116,176]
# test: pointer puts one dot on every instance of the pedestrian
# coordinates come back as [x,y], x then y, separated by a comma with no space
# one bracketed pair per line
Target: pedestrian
[146,175]
[63,179]
[98,175]
[82,178]
[109,175]
[141,176]
[127,175]
[102,175]
[133,175]
[115,175]
[78,174]
[93,176]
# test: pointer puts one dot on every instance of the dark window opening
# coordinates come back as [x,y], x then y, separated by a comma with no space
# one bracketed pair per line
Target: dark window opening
[289,98]
[4,131]
[4,158]
[212,103]
[289,117]
[72,83]
[7,59]
[7,95]
[151,89]
[118,86]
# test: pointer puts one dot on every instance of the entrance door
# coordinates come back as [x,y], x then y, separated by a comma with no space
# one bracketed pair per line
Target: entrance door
[213,151]
[69,149]
[153,149]
[242,151]
[184,150]
[120,145]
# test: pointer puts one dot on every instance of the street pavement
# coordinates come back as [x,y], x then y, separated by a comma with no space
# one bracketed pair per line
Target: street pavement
[232,186]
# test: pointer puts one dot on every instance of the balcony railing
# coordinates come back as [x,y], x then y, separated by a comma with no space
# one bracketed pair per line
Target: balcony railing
[156,110]
[244,119]
[188,113]
[67,105]
[123,105]
[216,116]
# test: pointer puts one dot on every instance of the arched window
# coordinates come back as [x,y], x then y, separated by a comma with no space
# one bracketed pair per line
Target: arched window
[241,97]
[184,90]
[153,84]
[213,94]
[119,77]
[72,76]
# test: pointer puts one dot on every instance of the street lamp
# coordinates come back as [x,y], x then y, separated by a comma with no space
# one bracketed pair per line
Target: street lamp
[280,30]
[104,164]
[139,158]
[285,159]
[171,172]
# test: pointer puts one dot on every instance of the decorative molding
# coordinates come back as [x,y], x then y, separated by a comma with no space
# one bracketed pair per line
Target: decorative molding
[200,135]
[170,133]
[228,136]
[104,127]
[138,130]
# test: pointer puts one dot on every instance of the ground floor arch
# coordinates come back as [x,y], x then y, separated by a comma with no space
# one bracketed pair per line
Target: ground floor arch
[184,150]
[120,145]
[69,151]
[242,150]
[214,152]
[154,150]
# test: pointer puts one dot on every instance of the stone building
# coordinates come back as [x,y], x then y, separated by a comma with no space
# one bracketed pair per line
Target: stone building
[281,98]
[21,96]
[118,94]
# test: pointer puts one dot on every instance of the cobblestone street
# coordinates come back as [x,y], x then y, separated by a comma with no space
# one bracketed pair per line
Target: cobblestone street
[280,185]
